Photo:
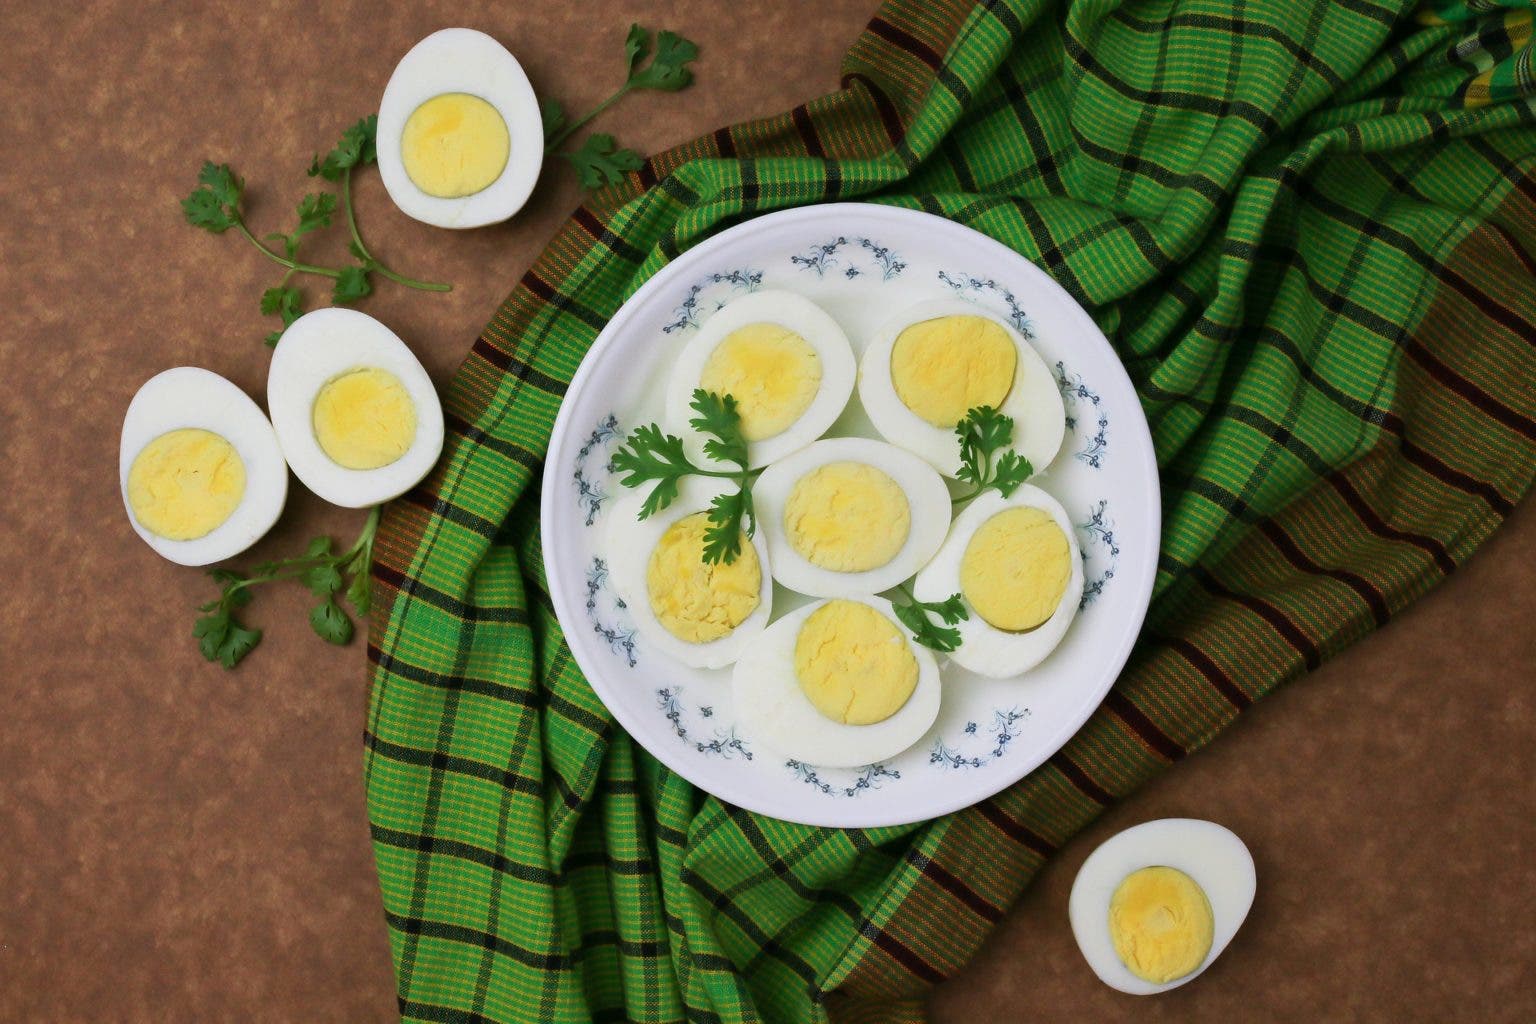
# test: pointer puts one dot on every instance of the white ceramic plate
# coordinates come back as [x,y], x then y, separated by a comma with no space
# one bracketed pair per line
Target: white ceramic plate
[861,263]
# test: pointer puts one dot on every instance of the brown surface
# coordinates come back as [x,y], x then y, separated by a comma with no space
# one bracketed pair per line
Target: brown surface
[180,843]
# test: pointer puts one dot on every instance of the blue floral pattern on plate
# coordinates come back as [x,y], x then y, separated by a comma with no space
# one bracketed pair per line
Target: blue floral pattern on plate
[694,305]
[821,259]
[964,754]
[1099,547]
[725,743]
[1074,393]
[590,493]
[972,288]
[869,778]
[620,638]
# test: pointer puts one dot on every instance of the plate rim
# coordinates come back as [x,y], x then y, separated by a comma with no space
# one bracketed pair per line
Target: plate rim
[858,815]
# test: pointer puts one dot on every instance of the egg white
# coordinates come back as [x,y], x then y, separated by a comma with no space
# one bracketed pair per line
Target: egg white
[190,397]
[774,710]
[462,60]
[805,318]
[630,543]
[927,502]
[1215,858]
[984,648]
[1034,402]
[319,346]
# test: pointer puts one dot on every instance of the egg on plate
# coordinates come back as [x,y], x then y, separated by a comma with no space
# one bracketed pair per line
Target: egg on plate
[1153,906]
[460,140]
[837,684]
[355,412]
[202,475]
[936,361]
[786,362]
[850,515]
[1016,564]
[700,613]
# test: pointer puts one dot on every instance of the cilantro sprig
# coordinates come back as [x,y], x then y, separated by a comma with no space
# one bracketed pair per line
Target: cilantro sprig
[915,616]
[215,205]
[326,573]
[658,63]
[650,456]
[983,433]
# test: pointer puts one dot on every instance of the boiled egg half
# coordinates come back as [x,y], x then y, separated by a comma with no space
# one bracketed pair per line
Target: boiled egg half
[703,614]
[838,684]
[355,412]
[1016,564]
[202,474]
[849,515]
[786,362]
[1153,906]
[938,360]
[460,140]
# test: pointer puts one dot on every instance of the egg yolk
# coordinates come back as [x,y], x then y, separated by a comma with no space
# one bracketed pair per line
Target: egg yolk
[853,664]
[1161,924]
[945,367]
[771,371]
[184,484]
[847,517]
[364,418]
[699,601]
[454,145]
[1016,568]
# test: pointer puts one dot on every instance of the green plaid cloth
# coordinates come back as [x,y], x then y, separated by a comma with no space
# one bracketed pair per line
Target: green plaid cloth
[1309,230]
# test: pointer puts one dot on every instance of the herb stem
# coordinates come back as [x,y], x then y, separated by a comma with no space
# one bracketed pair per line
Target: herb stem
[550,145]
[371,260]
[292,265]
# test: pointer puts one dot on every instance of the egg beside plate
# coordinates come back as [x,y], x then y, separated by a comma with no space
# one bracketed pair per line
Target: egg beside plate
[1207,854]
[460,140]
[847,516]
[201,471]
[783,359]
[355,412]
[946,357]
[704,616]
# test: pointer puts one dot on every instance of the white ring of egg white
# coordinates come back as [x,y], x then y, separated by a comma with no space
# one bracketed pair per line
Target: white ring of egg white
[467,61]
[788,310]
[630,543]
[984,648]
[772,708]
[1215,858]
[1033,401]
[188,397]
[927,501]
[315,349]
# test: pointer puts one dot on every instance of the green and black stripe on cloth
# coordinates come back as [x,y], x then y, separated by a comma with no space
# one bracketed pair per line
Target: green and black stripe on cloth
[1309,230]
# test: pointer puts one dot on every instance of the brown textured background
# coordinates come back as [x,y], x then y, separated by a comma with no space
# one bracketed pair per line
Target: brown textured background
[180,843]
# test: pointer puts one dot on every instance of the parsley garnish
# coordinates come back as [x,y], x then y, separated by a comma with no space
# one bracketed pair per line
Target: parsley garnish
[983,433]
[600,160]
[649,455]
[215,205]
[914,615]
[222,637]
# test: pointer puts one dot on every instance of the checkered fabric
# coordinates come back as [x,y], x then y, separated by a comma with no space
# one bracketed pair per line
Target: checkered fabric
[1308,228]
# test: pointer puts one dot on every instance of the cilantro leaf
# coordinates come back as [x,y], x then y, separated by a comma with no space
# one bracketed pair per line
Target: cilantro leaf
[215,204]
[284,302]
[330,623]
[315,211]
[351,285]
[322,580]
[983,433]
[648,455]
[914,615]
[599,162]
[552,115]
[727,513]
[668,69]
[717,415]
[358,591]
[636,45]
[358,147]
[221,638]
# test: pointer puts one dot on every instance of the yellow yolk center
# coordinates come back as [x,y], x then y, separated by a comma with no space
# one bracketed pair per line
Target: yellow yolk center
[847,517]
[1161,924]
[185,483]
[1016,568]
[853,664]
[454,145]
[771,371]
[699,601]
[945,367]
[364,418]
